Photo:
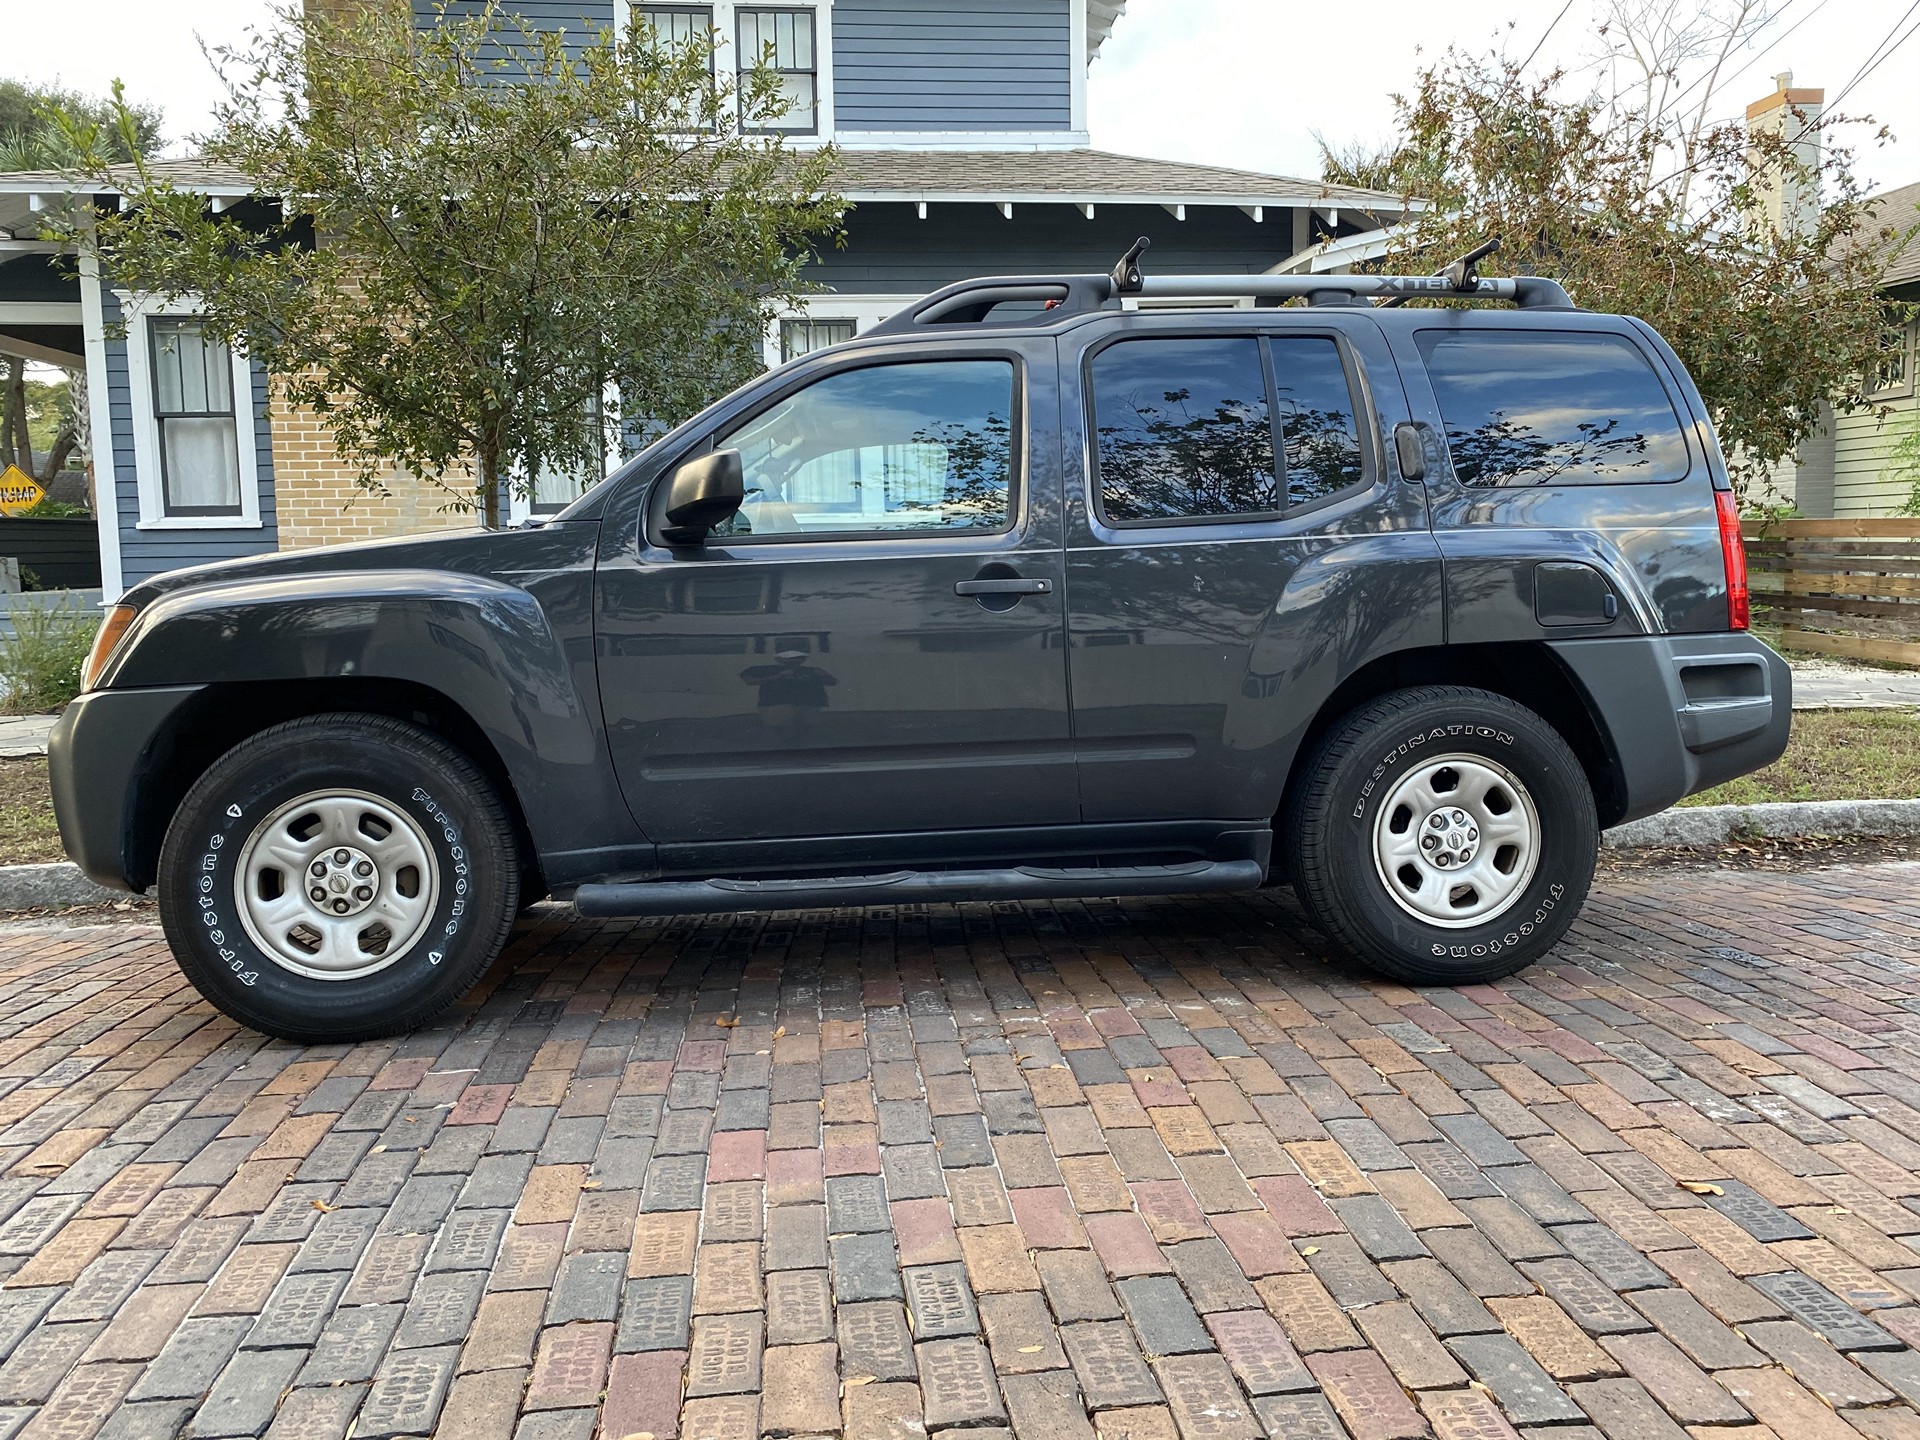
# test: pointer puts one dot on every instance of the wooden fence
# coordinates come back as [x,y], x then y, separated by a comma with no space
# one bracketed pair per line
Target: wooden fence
[1829,572]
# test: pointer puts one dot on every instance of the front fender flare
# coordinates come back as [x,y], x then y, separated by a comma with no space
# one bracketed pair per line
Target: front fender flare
[487,647]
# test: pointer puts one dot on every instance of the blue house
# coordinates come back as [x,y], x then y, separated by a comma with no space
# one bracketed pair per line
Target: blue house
[962,129]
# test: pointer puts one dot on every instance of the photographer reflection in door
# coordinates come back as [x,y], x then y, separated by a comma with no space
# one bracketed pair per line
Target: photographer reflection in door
[791,692]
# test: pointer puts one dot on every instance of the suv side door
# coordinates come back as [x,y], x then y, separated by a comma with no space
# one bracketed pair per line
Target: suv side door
[1239,542]
[812,670]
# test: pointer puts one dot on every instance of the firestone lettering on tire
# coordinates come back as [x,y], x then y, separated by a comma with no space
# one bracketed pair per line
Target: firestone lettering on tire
[457,852]
[1511,938]
[210,916]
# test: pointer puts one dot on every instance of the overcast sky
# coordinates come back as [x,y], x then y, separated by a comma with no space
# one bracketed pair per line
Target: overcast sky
[1233,82]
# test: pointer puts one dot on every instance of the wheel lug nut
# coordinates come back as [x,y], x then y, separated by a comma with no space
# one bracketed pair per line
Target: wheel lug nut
[1427,842]
[339,857]
[340,907]
[319,867]
[318,893]
[364,867]
[362,892]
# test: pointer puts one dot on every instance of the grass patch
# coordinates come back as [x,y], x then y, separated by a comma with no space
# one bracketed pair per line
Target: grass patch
[28,835]
[1835,755]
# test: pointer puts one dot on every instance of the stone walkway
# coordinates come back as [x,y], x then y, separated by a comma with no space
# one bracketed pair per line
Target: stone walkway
[1830,685]
[1143,1170]
[23,736]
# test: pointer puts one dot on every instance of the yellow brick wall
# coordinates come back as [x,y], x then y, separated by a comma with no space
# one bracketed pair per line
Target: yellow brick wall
[320,501]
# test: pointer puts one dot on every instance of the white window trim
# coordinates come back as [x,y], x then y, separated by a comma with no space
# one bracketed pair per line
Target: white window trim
[726,59]
[138,310]
[520,498]
[865,311]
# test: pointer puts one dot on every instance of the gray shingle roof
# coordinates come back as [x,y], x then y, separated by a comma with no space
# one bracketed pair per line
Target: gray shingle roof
[1074,175]
[1899,211]
[1057,176]
[189,174]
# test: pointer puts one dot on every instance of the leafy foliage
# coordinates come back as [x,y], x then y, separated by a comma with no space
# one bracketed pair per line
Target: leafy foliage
[488,229]
[35,121]
[1644,210]
[40,662]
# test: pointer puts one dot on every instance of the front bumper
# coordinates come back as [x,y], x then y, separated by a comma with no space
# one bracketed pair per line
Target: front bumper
[102,749]
[1681,713]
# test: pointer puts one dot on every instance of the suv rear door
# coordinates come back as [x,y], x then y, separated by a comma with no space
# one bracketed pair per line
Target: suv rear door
[1238,544]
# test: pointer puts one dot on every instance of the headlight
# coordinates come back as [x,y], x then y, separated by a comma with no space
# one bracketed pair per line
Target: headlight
[112,629]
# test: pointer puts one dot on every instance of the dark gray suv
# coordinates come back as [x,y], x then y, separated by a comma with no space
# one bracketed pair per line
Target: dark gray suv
[1046,587]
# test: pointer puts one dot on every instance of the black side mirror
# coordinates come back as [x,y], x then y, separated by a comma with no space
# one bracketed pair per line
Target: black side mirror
[701,494]
[1410,449]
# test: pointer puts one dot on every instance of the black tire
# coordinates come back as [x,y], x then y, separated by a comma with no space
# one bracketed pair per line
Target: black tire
[1328,831]
[463,921]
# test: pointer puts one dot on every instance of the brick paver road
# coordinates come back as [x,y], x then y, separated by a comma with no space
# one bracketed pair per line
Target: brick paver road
[1136,1170]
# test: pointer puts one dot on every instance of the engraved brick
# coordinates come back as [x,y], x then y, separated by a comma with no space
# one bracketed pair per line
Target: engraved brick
[725,1358]
[1110,1367]
[1366,1396]
[957,1385]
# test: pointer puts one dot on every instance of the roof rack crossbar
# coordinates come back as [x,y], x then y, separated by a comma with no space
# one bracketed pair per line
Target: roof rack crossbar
[1530,292]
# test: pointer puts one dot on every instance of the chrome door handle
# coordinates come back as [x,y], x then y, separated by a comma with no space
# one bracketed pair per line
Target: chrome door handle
[1006,585]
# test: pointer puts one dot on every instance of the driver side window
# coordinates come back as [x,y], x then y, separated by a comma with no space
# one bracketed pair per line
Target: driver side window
[908,448]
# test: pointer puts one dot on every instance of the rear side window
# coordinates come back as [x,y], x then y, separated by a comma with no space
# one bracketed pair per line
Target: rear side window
[1220,427]
[1319,435]
[1552,408]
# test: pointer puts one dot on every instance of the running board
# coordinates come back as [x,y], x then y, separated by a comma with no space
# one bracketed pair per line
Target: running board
[916,887]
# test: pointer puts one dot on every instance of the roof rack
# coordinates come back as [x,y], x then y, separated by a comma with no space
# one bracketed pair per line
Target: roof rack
[1067,297]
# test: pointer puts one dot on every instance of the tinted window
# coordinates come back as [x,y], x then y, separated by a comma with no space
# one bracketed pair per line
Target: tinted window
[1317,426]
[1552,409]
[1183,430]
[892,447]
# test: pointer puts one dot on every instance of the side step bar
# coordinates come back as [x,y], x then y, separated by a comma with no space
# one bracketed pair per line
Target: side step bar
[916,887]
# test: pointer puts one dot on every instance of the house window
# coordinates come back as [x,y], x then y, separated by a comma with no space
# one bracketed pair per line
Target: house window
[194,419]
[672,26]
[1893,375]
[803,337]
[783,41]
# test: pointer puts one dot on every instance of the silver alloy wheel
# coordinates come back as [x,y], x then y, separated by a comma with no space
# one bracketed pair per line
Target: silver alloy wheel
[1456,841]
[336,885]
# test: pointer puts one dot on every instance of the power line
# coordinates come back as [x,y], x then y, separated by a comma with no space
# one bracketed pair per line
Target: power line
[1547,32]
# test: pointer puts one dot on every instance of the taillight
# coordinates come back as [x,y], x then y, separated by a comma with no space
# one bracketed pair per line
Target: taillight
[104,644]
[1734,551]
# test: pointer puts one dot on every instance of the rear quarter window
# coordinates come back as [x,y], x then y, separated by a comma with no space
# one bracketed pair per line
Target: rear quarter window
[1529,408]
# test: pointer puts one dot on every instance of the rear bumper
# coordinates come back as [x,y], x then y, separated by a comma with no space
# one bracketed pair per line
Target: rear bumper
[101,748]
[1681,713]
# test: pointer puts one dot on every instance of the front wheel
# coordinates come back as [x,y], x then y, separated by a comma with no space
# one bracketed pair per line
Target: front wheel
[1442,834]
[337,878]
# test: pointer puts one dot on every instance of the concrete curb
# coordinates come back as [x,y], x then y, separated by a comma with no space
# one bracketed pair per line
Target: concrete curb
[51,887]
[1717,824]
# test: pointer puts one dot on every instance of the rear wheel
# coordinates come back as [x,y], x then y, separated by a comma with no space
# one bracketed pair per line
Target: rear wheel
[338,877]
[1443,835]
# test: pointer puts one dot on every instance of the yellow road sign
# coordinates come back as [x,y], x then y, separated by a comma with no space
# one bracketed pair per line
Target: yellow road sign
[18,491]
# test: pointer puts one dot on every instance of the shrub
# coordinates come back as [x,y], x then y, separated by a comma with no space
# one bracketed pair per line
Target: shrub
[40,662]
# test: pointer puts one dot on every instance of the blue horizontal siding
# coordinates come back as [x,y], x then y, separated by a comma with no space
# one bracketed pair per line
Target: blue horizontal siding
[146,553]
[952,65]
[891,251]
[580,21]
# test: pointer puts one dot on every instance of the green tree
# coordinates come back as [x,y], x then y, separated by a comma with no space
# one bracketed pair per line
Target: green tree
[485,229]
[35,121]
[1645,206]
